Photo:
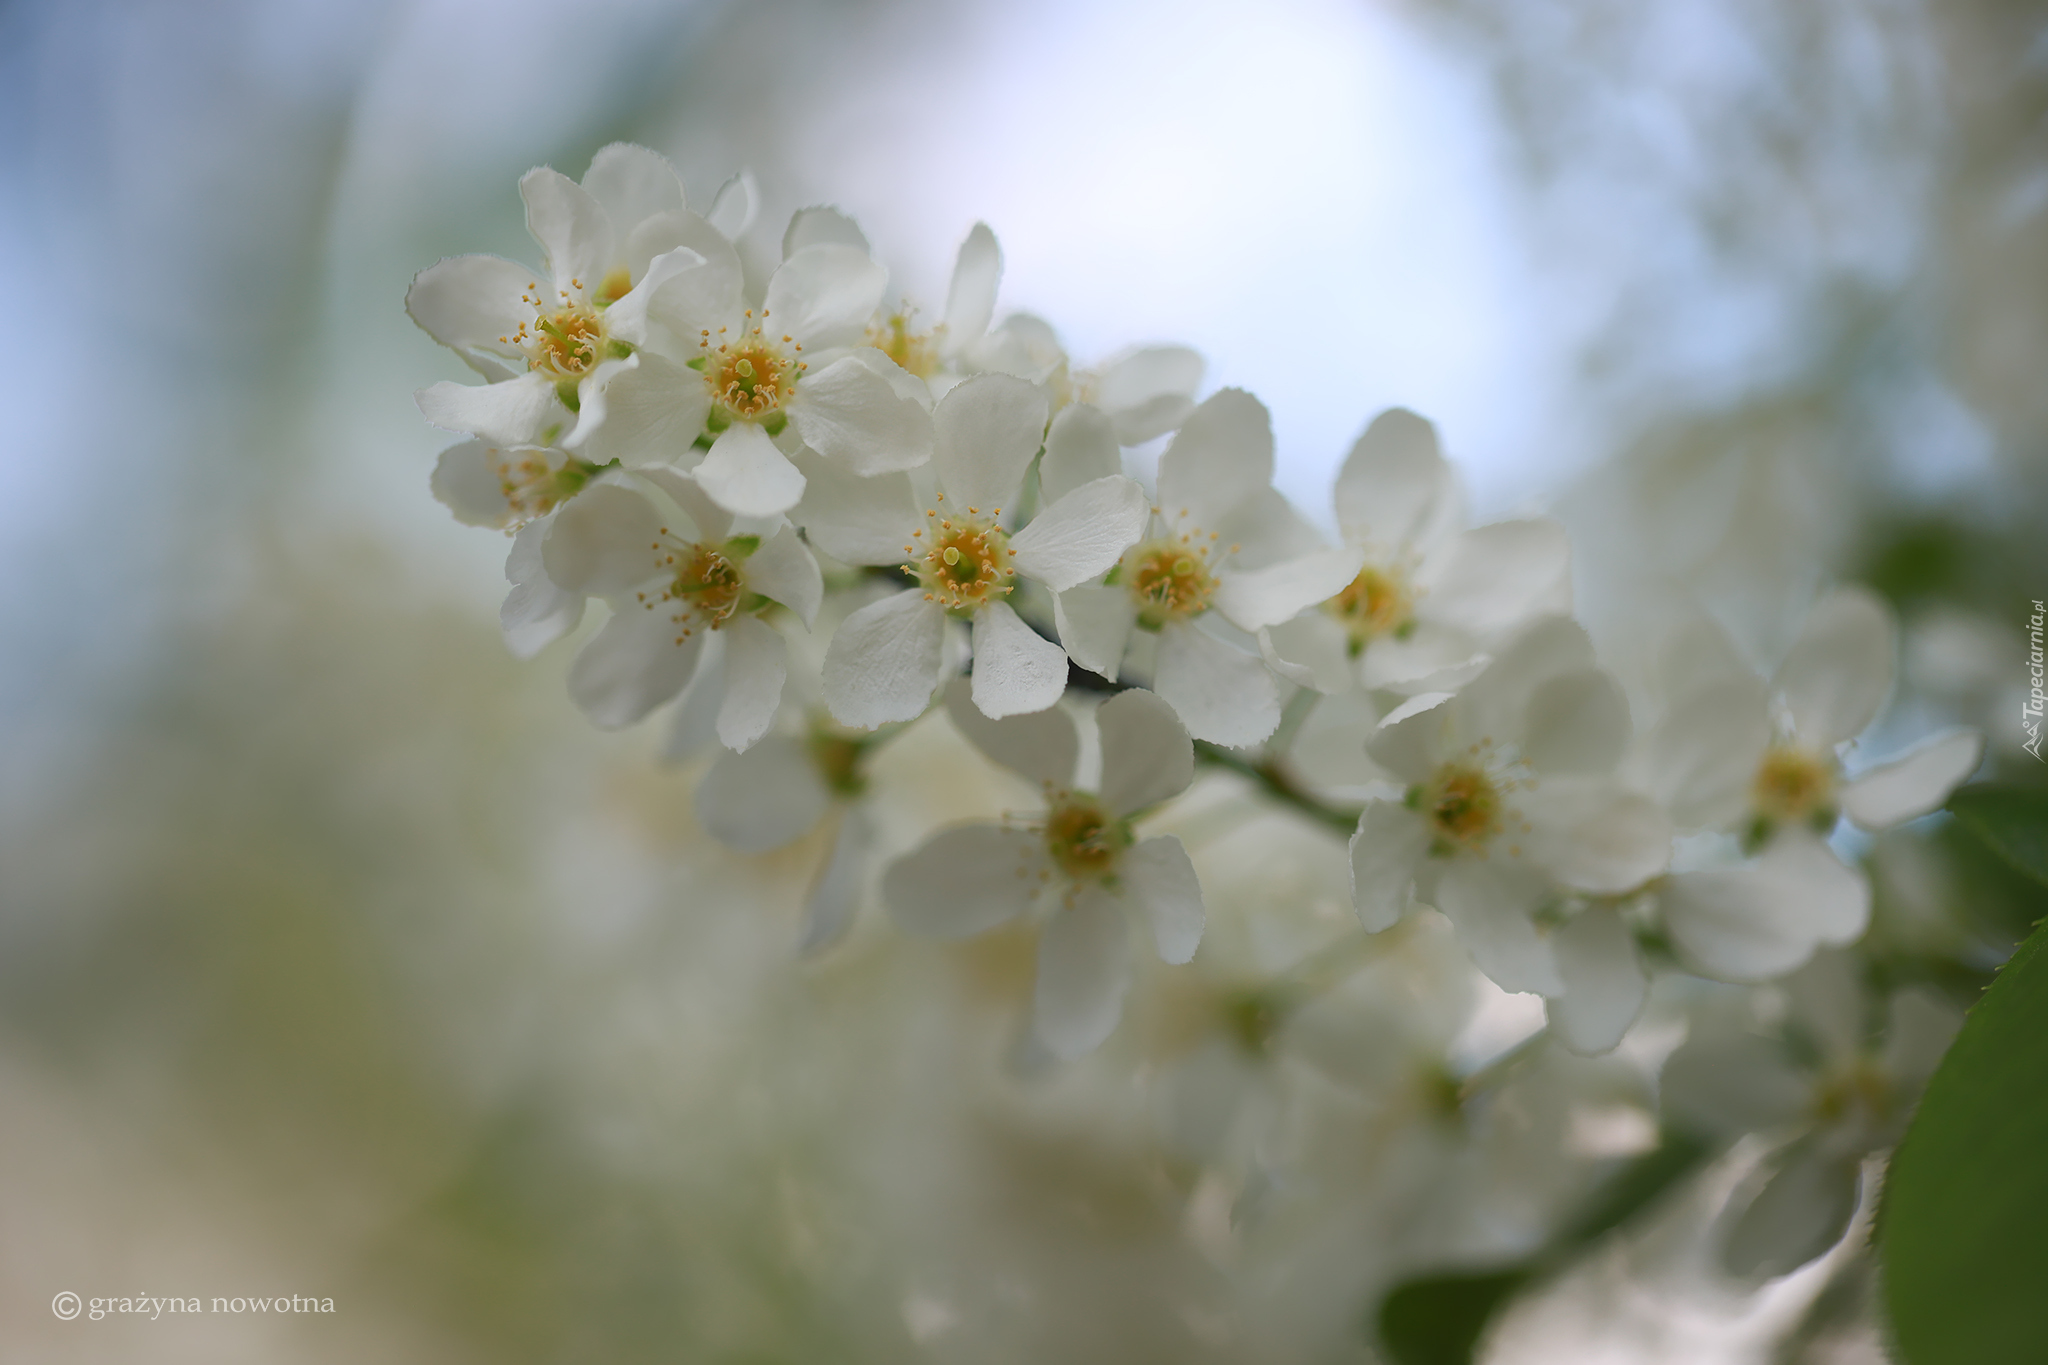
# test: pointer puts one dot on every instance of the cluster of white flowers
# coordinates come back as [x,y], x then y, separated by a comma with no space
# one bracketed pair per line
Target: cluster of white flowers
[814,519]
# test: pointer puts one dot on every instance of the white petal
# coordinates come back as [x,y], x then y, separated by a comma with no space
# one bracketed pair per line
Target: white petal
[965,880]
[1146,754]
[1763,919]
[591,405]
[1727,1084]
[466,482]
[756,662]
[971,298]
[698,299]
[821,225]
[1084,968]
[783,570]
[1080,448]
[1309,651]
[1149,391]
[835,897]
[638,661]
[746,475]
[1386,847]
[1041,745]
[571,229]
[824,295]
[601,542]
[1094,625]
[1802,1210]
[1838,671]
[538,611]
[1489,906]
[1279,592]
[1413,738]
[1700,759]
[1604,985]
[1577,723]
[986,430]
[1020,345]
[1496,703]
[1433,657]
[764,798]
[1221,693]
[654,413]
[856,520]
[1914,783]
[470,303]
[1595,835]
[1084,534]
[1160,879]
[632,184]
[693,725]
[732,208]
[1222,455]
[1494,578]
[1015,668]
[1392,482]
[516,412]
[883,661]
[658,250]
[688,505]
[848,412]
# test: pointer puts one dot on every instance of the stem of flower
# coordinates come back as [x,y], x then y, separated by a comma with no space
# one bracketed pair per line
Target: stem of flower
[1272,778]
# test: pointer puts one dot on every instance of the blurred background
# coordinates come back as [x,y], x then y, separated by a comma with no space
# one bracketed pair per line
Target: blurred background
[340,957]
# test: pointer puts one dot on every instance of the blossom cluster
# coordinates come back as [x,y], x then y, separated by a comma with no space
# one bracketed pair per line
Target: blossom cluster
[814,514]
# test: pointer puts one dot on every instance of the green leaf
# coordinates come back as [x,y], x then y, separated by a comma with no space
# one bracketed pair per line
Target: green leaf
[1438,1319]
[2012,820]
[1963,1230]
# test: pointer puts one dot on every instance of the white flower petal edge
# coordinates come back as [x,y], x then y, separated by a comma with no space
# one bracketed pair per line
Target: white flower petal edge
[1385,850]
[1084,968]
[1489,907]
[1015,668]
[538,611]
[746,475]
[1837,673]
[1080,448]
[829,911]
[1146,754]
[1159,877]
[763,798]
[884,660]
[1095,625]
[1084,534]
[1042,746]
[1766,917]
[632,665]
[1221,693]
[965,880]
[756,664]
[1915,783]
[985,431]
[1604,983]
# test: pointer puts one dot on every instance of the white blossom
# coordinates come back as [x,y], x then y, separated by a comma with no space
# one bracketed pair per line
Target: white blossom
[1081,864]
[1514,826]
[1820,1088]
[1432,596]
[1763,761]
[549,344]
[1223,557]
[677,570]
[886,659]
[730,391]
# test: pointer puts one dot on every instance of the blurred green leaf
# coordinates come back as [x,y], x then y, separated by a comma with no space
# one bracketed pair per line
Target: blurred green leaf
[1438,1319]
[2012,820]
[1963,1231]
